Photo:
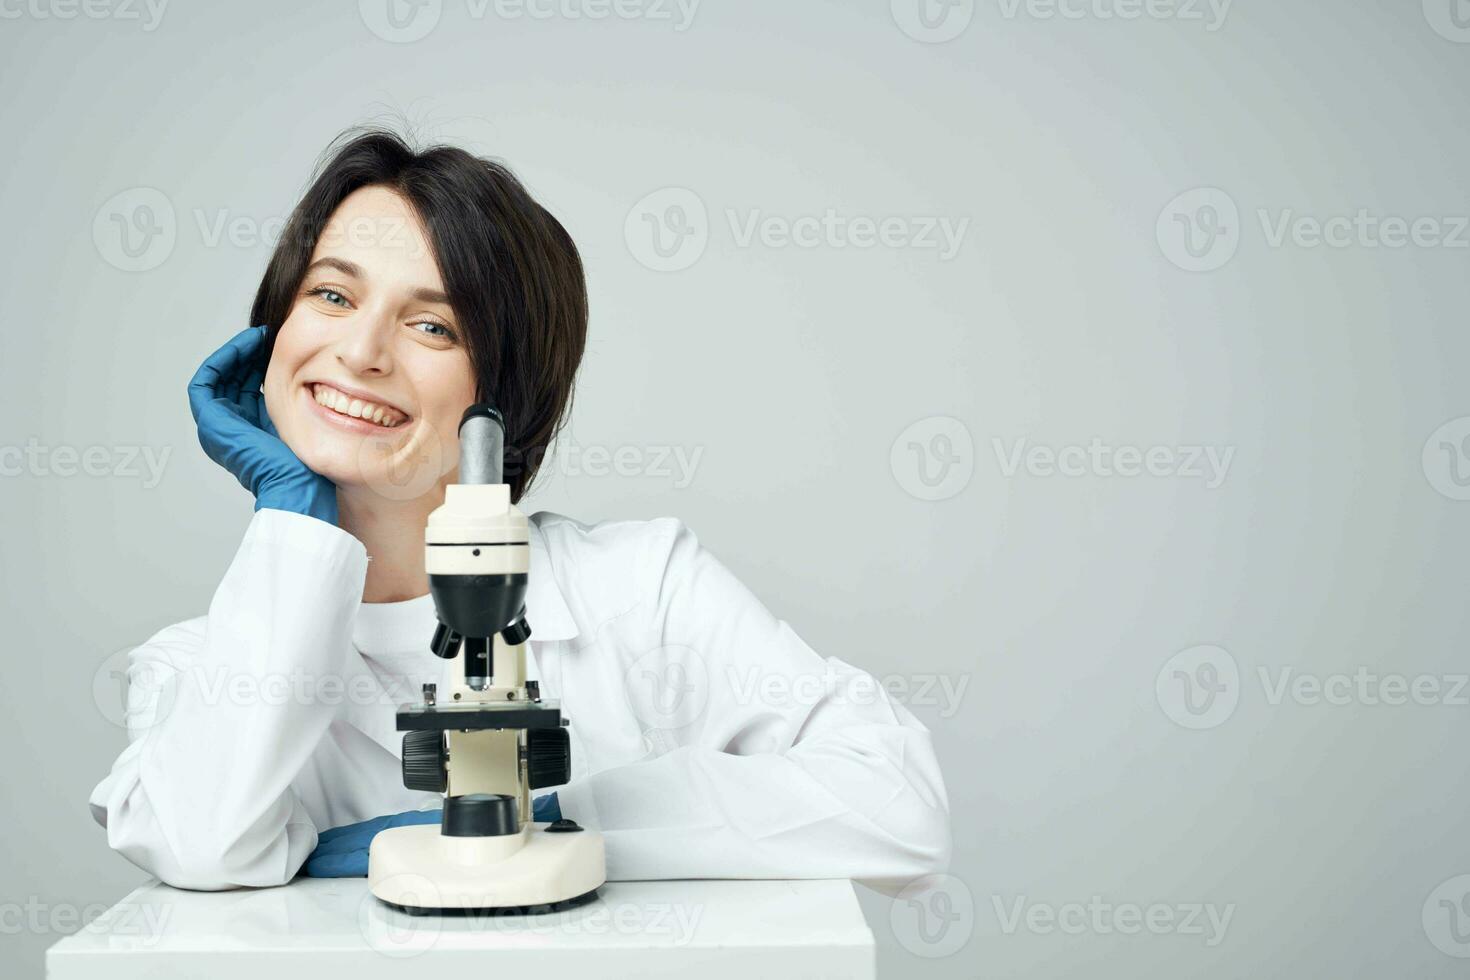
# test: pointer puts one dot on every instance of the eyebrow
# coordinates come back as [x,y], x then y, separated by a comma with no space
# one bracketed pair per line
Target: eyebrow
[422,293]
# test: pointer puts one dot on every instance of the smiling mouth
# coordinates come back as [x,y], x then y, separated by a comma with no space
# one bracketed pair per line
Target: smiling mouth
[343,404]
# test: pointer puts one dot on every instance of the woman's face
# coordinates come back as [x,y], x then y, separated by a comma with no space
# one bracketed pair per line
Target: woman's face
[369,376]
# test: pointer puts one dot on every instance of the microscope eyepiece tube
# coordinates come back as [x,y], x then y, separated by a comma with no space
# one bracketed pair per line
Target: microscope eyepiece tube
[481,445]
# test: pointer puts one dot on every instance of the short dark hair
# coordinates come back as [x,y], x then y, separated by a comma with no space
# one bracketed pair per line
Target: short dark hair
[512,272]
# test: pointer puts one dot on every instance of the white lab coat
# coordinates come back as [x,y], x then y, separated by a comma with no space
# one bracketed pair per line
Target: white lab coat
[708,741]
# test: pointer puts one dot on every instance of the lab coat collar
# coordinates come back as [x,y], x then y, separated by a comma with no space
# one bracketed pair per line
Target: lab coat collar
[546,609]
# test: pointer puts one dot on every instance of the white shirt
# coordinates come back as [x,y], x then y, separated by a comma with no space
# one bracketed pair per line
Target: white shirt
[708,741]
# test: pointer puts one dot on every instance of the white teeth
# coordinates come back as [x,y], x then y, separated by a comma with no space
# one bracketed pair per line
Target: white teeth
[356,407]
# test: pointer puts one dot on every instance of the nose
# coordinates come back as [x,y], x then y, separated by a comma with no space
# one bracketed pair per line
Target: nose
[364,348]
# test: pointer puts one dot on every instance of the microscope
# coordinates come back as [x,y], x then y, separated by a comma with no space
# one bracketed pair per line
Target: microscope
[490,740]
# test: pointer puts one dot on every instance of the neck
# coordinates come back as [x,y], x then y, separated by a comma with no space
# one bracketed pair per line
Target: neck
[392,531]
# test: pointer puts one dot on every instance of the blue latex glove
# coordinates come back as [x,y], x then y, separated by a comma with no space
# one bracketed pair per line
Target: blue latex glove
[342,852]
[236,432]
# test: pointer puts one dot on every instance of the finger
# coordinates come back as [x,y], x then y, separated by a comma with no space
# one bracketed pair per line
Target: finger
[545,809]
[241,350]
[414,818]
[356,841]
[250,396]
[352,864]
[368,827]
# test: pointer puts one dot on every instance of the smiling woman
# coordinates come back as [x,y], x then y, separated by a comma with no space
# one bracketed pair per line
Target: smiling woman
[407,286]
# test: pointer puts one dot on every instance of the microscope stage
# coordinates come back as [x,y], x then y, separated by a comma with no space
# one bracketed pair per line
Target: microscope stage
[479,715]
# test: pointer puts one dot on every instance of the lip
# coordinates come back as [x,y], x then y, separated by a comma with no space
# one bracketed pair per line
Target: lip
[347,422]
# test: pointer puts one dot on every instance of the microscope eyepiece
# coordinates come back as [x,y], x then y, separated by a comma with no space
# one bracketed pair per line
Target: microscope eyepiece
[482,410]
[481,445]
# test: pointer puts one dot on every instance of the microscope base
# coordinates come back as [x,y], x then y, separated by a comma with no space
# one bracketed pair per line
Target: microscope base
[570,903]
[419,870]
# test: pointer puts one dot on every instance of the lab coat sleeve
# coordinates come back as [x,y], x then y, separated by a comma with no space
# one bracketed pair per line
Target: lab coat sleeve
[784,764]
[222,714]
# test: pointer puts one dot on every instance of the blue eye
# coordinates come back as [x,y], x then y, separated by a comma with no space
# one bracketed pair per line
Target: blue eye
[330,295]
[434,329]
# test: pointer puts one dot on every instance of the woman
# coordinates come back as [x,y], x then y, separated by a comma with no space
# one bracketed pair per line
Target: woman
[709,741]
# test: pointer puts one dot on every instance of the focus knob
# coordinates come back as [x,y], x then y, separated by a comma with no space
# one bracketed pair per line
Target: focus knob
[548,757]
[424,762]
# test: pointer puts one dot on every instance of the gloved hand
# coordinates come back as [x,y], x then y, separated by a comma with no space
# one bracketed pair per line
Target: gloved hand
[236,432]
[342,852]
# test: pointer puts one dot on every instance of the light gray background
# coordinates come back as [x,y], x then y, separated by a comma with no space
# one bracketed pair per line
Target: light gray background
[1064,316]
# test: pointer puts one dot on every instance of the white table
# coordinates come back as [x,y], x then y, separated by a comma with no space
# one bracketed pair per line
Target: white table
[328,928]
